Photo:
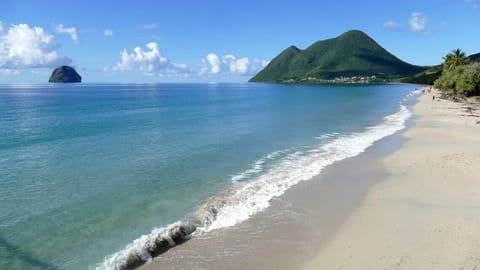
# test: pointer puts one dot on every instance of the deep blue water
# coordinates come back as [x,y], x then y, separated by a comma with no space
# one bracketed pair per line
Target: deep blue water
[86,169]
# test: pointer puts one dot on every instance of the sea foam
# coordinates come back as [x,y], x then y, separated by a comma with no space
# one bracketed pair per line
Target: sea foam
[246,198]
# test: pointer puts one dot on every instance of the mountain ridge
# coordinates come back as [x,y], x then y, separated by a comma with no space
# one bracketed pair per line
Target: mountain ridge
[352,54]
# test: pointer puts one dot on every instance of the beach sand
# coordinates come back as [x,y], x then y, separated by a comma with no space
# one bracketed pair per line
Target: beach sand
[426,214]
[295,226]
[411,201]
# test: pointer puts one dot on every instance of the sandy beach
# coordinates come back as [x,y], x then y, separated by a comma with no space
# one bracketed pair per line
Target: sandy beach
[426,214]
[411,201]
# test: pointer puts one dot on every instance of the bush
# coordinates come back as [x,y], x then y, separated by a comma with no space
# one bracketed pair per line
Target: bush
[469,80]
[463,80]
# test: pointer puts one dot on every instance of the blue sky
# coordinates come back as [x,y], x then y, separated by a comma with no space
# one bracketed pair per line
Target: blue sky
[214,41]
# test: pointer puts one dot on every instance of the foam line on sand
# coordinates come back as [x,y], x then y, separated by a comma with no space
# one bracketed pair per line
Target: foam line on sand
[426,214]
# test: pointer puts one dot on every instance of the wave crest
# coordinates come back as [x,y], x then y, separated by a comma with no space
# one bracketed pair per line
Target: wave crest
[246,198]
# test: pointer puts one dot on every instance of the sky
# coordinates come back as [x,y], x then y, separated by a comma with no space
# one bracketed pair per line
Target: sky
[214,41]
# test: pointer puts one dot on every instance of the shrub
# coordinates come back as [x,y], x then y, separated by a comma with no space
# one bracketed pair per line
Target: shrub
[468,82]
[463,80]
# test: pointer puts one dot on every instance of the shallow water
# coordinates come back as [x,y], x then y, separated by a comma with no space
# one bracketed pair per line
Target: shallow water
[87,169]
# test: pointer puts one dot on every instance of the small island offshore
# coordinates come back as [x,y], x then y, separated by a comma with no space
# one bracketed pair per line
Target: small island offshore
[65,74]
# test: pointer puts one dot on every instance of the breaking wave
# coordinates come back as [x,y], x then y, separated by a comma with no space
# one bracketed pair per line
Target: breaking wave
[254,188]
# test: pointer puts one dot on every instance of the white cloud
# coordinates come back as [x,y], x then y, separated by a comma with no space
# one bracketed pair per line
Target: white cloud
[392,25]
[214,64]
[418,22]
[108,32]
[23,47]
[148,26]
[149,61]
[1,26]
[71,31]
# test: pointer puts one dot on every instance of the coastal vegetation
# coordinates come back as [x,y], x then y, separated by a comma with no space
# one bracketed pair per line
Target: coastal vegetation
[460,75]
[425,77]
[352,57]
[433,73]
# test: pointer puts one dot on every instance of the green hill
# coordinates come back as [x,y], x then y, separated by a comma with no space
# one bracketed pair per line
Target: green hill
[353,53]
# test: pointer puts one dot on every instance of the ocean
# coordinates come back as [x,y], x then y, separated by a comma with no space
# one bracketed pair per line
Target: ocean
[99,176]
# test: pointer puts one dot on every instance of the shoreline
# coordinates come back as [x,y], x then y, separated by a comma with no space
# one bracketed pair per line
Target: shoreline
[425,213]
[296,224]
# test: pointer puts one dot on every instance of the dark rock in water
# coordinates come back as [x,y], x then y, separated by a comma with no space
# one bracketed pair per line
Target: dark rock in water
[65,74]
[174,236]
[161,245]
[132,262]
[181,233]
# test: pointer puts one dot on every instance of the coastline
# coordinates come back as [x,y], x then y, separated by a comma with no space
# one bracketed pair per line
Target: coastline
[425,214]
[295,226]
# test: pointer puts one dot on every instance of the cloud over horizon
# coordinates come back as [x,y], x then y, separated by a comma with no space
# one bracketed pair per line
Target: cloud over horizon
[215,64]
[22,47]
[148,61]
[71,31]
[151,61]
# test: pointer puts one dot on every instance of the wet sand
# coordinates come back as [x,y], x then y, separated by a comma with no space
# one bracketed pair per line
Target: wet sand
[426,213]
[295,226]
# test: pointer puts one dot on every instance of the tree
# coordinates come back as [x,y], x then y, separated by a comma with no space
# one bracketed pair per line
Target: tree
[454,59]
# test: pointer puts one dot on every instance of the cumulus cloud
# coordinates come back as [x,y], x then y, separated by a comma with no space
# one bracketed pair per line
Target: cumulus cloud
[1,26]
[215,64]
[148,61]
[392,25]
[108,32]
[418,22]
[71,31]
[22,46]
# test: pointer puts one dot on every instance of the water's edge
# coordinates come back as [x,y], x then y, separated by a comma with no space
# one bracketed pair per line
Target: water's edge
[244,200]
[296,226]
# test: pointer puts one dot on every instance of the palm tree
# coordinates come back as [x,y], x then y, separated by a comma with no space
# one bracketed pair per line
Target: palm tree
[454,59]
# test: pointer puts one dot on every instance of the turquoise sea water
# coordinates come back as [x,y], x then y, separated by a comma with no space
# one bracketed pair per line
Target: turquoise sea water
[86,170]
